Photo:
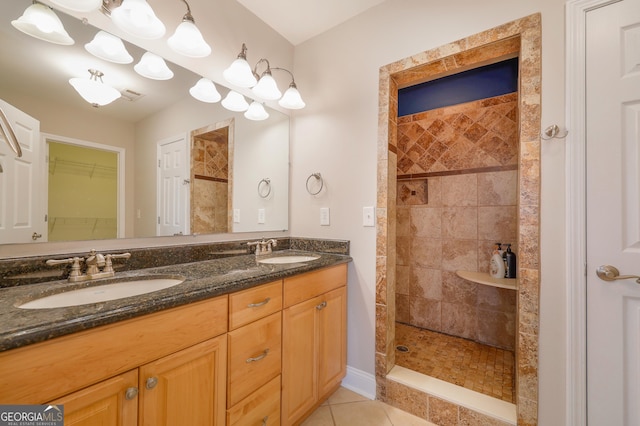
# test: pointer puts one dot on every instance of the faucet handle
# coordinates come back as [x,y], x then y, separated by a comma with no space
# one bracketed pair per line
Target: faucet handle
[108,267]
[75,264]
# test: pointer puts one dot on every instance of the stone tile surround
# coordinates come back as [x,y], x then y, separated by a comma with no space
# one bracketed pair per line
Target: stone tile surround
[521,37]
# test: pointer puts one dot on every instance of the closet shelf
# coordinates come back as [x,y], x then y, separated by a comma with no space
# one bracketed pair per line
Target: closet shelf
[485,279]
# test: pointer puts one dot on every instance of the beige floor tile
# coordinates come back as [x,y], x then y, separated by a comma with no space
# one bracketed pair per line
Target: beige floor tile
[364,413]
[402,418]
[320,417]
[343,395]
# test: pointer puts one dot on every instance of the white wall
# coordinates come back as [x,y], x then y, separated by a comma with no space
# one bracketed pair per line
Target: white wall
[336,134]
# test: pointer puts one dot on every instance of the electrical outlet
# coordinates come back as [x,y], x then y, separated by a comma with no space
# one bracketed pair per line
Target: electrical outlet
[236,215]
[368,216]
[324,216]
[261,216]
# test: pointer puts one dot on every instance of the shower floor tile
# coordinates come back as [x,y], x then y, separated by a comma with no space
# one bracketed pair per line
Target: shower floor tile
[475,366]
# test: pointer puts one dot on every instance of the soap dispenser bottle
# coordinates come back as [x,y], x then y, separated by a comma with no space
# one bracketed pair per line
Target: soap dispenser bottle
[510,262]
[496,265]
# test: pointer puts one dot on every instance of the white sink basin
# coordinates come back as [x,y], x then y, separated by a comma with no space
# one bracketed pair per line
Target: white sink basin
[103,293]
[288,259]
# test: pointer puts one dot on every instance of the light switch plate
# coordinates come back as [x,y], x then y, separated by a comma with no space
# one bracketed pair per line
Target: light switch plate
[261,216]
[324,216]
[368,216]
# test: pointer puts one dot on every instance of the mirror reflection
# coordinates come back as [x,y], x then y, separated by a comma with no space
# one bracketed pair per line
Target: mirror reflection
[154,162]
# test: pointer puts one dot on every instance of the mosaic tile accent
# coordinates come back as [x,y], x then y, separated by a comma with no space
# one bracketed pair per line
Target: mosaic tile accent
[476,134]
[522,37]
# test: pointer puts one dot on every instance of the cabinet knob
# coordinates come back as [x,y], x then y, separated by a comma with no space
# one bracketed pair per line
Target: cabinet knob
[264,420]
[151,383]
[131,393]
[321,306]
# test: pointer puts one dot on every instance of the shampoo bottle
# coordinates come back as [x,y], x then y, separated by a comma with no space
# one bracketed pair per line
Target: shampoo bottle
[510,262]
[496,265]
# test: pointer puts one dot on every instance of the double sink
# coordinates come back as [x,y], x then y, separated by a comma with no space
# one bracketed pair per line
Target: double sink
[118,289]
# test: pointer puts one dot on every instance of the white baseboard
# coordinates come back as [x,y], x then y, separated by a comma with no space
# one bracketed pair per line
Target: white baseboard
[360,382]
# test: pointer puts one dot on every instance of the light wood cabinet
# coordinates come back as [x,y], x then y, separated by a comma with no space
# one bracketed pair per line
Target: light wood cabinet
[92,372]
[111,402]
[314,340]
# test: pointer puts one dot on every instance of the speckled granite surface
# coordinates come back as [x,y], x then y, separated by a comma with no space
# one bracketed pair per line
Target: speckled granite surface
[203,279]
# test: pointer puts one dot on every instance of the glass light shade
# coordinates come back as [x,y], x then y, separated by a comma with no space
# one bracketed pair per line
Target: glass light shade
[41,22]
[78,5]
[256,112]
[291,98]
[234,101]
[239,73]
[137,18]
[109,47]
[153,66]
[205,91]
[93,91]
[188,41]
[267,88]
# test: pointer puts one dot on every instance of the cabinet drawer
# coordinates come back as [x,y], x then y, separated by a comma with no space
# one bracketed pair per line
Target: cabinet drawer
[306,286]
[255,356]
[252,304]
[262,407]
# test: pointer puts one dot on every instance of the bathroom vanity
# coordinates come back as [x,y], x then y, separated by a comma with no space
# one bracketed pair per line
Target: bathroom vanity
[238,342]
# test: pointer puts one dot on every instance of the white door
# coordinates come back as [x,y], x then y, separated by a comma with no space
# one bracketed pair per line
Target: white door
[173,187]
[613,213]
[21,193]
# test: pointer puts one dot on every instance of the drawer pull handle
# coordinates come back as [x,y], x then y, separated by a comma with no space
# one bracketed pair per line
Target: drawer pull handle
[257,305]
[131,393]
[264,420]
[259,357]
[151,383]
[321,306]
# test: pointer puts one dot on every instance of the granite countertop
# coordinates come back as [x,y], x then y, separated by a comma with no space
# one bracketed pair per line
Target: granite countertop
[203,280]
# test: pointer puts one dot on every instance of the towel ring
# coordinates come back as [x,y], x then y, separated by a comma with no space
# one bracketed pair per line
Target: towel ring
[266,182]
[318,177]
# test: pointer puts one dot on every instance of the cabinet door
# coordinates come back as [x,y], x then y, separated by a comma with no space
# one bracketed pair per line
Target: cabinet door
[113,402]
[299,359]
[332,343]
[186,388]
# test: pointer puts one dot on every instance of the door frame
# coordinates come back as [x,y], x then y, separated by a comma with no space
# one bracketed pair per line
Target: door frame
[575,219]
[120,152]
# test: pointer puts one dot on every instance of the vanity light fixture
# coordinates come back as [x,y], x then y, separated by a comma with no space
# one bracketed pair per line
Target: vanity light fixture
[234,101]
[256,112]
[187,39]
[291,98]
[109,47]
[136,17]
[239,72]
[153,66]
[205,91]
[266,88]
[41,22]
[78,5]
[93,89]
[263,86]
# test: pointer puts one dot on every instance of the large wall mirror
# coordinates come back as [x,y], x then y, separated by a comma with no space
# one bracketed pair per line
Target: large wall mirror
[154,162]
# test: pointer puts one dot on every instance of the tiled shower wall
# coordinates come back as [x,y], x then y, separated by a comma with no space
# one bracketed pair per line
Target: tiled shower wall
[456,197]
[210,183]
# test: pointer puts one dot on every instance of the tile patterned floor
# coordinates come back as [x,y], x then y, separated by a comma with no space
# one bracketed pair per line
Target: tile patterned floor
[347,408]
[475,366]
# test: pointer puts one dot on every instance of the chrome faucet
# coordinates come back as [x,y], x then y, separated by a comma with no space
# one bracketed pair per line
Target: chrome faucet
[264,246]
[94,261]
